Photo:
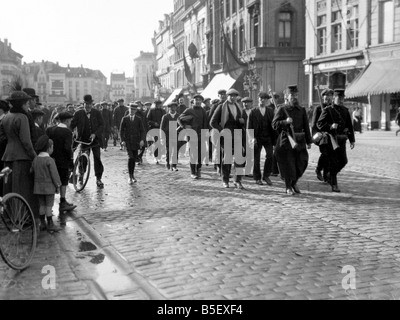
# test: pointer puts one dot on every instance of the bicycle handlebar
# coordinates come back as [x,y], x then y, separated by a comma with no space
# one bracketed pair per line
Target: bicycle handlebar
[5,173]
[85,143]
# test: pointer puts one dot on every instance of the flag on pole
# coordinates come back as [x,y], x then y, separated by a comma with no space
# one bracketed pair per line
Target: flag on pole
[232,65]
[188,74]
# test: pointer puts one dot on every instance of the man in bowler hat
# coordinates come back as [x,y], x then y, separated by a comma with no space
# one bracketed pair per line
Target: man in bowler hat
[90,125]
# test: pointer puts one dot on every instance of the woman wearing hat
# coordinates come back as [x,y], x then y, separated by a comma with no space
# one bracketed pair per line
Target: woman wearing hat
[19,152]
[4,109]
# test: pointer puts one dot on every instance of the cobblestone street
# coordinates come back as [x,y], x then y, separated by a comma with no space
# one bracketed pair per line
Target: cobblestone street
[185,239]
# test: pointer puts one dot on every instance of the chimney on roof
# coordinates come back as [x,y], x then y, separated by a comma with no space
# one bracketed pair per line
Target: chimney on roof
[9,45]
[68,65]
[82,66]
[57,63]
[6,42]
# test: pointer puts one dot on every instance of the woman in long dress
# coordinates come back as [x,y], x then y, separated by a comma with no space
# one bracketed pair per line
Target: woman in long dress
[19,152]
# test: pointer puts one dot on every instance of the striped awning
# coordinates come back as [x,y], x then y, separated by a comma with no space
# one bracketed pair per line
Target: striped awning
[379,77]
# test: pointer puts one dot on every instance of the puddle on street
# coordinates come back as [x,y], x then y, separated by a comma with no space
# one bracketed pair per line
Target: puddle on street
[85,246]
[98,259]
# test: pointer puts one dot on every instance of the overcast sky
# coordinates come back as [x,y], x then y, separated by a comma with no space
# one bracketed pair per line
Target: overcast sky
[100,34]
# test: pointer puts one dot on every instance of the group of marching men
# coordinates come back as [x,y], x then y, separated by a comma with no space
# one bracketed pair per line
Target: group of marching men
[283,131]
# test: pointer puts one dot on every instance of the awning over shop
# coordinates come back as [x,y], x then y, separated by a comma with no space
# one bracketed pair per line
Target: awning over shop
[379,77]
[220,81]
[172,96]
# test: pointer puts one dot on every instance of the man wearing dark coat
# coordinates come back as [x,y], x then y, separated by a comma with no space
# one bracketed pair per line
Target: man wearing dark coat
[221,100]
[336,121]
[292,124]
[154,118]
[229,116]
[260,120]
[107,117]
[118,113]
[37,116]
[90,126]
[181,105]
[171,150]
[198,122]
[142,113]
[321,138]
[132,135]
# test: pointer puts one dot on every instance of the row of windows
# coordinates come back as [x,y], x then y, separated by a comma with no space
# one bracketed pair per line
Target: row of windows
[343,31]
[336,30]
[230,7]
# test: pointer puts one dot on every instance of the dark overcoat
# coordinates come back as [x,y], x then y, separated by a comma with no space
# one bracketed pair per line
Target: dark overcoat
[292,162]
[132,132]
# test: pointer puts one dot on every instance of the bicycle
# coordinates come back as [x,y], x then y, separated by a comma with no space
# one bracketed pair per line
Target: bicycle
[18,233]
[81,171]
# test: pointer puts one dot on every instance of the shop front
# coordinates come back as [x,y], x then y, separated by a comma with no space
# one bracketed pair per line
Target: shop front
[379,83]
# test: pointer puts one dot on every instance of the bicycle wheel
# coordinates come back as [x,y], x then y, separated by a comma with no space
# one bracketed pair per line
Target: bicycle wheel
[18,233]
[81,172]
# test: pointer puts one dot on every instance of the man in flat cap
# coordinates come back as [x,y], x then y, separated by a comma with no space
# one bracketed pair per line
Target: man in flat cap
[118,114]
[221,100]
[63,155]
[142,113]
[336,121]
[198,123]
[321,138]
[106,113]
[260,120]
[170,120]
[132,135]
[291,122]
[90,126]
[229,116]
[154,118]
[207,104]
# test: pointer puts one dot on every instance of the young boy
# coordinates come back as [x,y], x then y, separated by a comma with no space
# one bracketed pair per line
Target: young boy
[63,155]
[46,182]
[132,135]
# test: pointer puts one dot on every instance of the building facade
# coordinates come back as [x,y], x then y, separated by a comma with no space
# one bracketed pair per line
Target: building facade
[10,67]
[118,86]
[55,84]
[143,73]
[355,44]
[164,59]
[250,45]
